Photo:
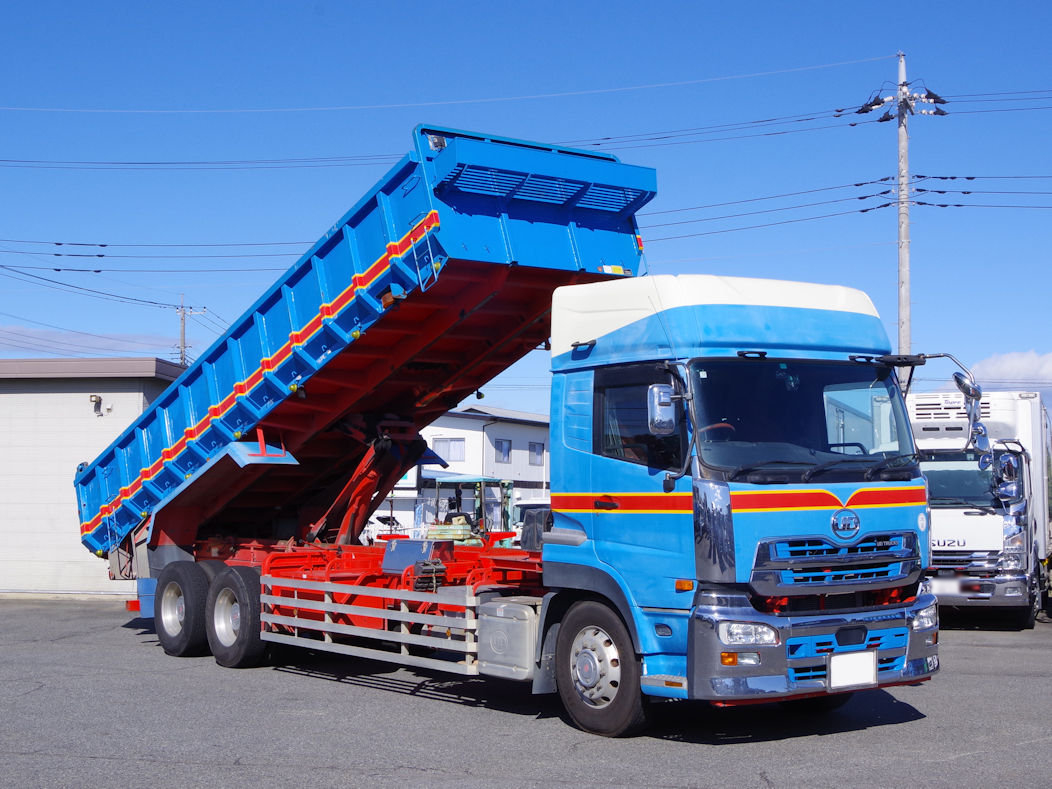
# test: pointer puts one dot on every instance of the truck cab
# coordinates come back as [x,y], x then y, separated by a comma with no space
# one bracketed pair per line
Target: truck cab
[990,526]
[734,472]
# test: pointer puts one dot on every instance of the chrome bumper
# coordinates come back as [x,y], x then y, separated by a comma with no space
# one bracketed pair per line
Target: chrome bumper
[1001,591]
[799,664]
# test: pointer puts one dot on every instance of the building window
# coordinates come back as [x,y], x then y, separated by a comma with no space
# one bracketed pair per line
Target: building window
[536,453]
[502,450]
[450,450]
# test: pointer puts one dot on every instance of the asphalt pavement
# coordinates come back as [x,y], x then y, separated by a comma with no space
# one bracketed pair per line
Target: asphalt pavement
[88,698]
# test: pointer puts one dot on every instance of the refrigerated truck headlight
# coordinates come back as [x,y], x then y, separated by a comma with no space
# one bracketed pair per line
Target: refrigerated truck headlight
[926,618]
[1011,561]
[738,634]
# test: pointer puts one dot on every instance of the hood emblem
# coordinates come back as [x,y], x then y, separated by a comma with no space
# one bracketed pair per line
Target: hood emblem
[845,524]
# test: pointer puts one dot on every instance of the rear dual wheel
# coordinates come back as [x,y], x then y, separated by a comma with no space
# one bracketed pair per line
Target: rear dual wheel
[179,609]
[232,612]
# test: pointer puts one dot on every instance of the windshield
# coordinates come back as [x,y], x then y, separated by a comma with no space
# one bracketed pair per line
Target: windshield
[954,478]
[832,418]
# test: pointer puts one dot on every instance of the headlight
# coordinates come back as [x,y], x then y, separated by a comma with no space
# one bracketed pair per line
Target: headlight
[1011,561]
[1014,536]
[747,634]
[926,618]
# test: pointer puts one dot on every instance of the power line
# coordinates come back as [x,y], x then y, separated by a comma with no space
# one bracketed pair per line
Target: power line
[12,273]
[766,210]
[974,205]
[770,224]
[404,105]
[57,343]
[155,245]
[984,177]
[768,197]
[77,331]
[97,255]
[147,270]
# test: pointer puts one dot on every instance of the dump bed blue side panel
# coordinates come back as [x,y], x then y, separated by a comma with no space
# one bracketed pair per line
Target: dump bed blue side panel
[457,196]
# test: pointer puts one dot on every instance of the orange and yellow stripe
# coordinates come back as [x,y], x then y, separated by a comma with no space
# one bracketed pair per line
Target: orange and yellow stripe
[296,338]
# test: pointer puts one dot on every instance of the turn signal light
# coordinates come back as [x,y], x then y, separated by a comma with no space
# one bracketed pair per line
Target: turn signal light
[728,658]
[684,585]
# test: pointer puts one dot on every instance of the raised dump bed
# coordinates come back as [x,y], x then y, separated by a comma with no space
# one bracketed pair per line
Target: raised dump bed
[435,281]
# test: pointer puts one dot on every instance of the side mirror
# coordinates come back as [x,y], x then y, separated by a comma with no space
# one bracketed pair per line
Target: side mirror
[969,389]
[1008,468]
[661,410]
[1007,491]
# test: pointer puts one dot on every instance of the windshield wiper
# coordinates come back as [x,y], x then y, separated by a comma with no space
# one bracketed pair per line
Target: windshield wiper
[747,467]
[988,509]
[888,462]
[830,464]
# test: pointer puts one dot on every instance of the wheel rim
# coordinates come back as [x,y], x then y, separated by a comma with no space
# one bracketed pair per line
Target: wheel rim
[227,617]
[595,667]
[173,609]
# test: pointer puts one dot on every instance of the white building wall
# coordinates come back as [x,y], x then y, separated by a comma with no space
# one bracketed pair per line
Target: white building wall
[414,501]
[479,436]
[48,427]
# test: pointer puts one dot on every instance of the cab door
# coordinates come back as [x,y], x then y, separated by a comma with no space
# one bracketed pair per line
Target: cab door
[645,535]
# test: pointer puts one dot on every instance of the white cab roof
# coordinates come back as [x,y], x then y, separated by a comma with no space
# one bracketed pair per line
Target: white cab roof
[597,309]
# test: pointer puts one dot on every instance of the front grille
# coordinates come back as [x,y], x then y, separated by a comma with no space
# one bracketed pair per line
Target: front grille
[842,574]
[807,548]
[795,567]
[971,562]
[815,646]
[819,670]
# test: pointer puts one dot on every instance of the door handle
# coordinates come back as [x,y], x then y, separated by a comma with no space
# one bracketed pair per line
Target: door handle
[605,504]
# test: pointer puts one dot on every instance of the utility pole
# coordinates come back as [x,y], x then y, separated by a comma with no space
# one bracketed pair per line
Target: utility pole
[905,105]
[183,312]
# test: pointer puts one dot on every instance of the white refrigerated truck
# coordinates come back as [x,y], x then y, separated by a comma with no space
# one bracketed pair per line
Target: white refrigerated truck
[989,512]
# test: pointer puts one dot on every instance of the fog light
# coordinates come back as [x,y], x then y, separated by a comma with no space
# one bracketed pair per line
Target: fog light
[748,658]
[1013,591]
[932,640]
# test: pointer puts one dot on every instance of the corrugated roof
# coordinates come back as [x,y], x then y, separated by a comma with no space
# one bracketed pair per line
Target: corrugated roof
[485,411]
[113,367]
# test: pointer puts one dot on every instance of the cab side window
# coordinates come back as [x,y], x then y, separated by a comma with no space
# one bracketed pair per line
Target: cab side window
[621,429]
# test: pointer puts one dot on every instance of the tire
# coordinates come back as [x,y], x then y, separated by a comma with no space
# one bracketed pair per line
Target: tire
[232,618]
[597,671]
[179,609]
[212,568]
[818,705]
[1026,619]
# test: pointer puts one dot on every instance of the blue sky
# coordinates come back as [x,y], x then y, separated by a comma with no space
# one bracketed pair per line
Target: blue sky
[90,88]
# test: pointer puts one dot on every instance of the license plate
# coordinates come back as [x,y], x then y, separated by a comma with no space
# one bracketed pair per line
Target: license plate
[945,586]
[853,669]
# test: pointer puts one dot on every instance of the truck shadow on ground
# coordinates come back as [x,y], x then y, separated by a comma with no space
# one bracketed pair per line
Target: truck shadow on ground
[700,723]
[675,721]
[679,721]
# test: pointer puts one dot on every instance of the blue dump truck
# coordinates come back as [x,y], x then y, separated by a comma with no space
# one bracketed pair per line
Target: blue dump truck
[737,511]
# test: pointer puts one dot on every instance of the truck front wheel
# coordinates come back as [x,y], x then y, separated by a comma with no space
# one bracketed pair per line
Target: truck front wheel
[232,618]
[597,671]
[179,609]
[1027,618]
